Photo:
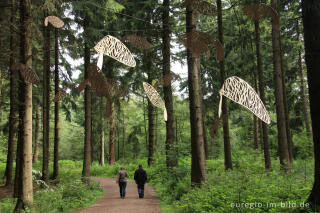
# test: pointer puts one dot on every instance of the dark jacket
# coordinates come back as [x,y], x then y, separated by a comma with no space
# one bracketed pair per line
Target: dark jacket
[140,176]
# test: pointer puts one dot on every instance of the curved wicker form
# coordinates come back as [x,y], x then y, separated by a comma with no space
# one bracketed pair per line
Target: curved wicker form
[54,20]
[242,93]
[137,41]
[155,98]
[259,11]
[114,48]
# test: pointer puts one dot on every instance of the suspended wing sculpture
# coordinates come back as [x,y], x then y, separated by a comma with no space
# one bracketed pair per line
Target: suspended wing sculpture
[27,74]
[259,11]
[199,42]
[137,41]
[60,95]
[166,80]
[54,20]
[83,85]
[114,48]
[98,82]
[242,93]
[202,7]
[155,98]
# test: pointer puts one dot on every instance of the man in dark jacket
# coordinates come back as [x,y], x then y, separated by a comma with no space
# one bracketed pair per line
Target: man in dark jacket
[140,176]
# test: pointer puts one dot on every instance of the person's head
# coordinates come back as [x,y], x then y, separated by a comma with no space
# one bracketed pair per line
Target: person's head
[121,168]
[140,166]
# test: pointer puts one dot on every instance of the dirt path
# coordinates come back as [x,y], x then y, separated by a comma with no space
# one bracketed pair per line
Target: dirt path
[112,203]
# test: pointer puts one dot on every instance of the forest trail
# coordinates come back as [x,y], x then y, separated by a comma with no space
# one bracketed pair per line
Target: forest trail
[112,203]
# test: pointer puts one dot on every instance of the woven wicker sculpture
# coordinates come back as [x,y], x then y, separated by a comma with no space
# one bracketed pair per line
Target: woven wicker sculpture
[83,85]
[114,48]
[202,7]
[27,74]
[199,42]
[60,95]
[242,93]
[259,11]
[155,98]
[98,82]
[137,41]
[166,80]
[54,20]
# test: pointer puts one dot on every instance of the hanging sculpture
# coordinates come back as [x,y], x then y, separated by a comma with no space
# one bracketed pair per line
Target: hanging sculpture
[83,85]
[60,95]
[202,7]
[114,48]
[259,11]
[54,20]
[199,42]
[155,98]
[166,80]
[137,41]
[242,93]
[27,74]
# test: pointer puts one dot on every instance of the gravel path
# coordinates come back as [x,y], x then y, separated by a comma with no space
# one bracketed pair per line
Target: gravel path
[112,203]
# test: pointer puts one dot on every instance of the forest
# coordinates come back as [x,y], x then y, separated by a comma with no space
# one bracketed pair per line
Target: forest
[217,100]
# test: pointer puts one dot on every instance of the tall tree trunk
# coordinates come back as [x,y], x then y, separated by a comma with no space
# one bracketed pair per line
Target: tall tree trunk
[36,137]
[13,101]
[124,135]
[311,23]
[198,171]
[145,123]
[151,136]
[226,137]
[280,108]
[255,120]
[112,135]
[302,87]
[102,132]
[25,197]
[87,108]
[264,132]
[46,105]
[56,107]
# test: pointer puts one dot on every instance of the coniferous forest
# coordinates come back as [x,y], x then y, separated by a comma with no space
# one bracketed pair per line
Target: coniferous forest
[217,100]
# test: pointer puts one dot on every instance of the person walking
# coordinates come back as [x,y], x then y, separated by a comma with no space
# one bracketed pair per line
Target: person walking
[140,176]
[122,181]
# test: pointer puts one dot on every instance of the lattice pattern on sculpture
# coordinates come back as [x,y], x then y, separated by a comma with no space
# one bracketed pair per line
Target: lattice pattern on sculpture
[60,95]
[114,48]
[155,98]
[97,81]
[54,20]
[197,42]
[202,7]
[137,41]
[166,80]
[258,11]
[28,74]
[242,93]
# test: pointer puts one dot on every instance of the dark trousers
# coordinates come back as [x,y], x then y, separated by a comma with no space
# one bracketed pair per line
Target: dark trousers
[122,186]
[141,190]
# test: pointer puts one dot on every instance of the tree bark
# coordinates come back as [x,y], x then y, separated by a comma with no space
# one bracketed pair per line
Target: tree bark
[302,87]
[36,137]
[198,171]
[25,195]
[226,137]
[87,106]
[46,105]
[112,136]
[311,23]
[56,107]
[151,135]
[171,159]
[264,132]
[13,101]
[255,120]
[102,132]
[280,108]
